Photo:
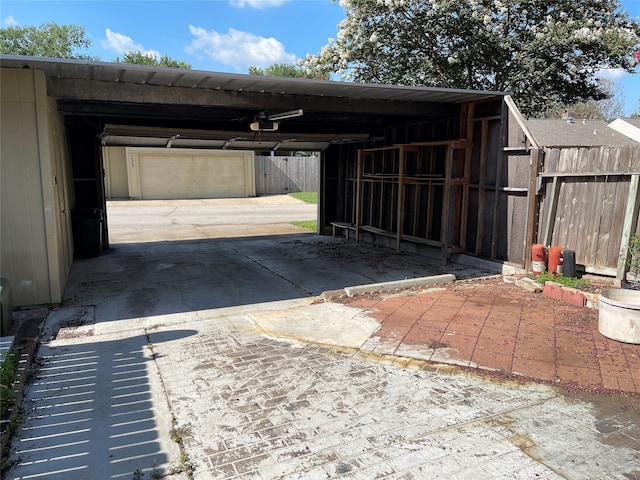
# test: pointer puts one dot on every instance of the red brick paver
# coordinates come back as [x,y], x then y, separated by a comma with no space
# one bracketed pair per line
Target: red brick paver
[497,326]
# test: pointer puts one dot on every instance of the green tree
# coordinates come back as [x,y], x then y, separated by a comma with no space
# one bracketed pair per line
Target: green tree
[546,53]
[287,70]
[608,109]
[46,40]
[636,114]
[139,58]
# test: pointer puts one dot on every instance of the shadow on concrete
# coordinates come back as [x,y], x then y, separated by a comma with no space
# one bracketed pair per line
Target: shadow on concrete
[90,412]
[147,279]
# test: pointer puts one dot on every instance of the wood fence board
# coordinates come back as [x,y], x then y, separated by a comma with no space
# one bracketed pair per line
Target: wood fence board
[622,194]
[604,232]
[634,153]
[584,203]
[515,239]
[630,216]
[590,213]
[552,160]
[617,220]
[601,165]
[288,174]
[608,208]
[587,255]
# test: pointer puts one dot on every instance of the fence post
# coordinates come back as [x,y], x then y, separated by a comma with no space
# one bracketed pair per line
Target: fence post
[630,218]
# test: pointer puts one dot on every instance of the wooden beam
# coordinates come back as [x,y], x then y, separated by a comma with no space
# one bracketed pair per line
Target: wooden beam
[484,153]
[532,202]
[552,208]
[511,106]
[496,208]
[468,154]
[400,198]
[96,96]
[446,200]
[630,219]
[358,193]
[586,174]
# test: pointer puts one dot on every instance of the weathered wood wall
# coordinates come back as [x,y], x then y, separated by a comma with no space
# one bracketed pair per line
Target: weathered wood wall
[492,202]
[500,177]
[589,203]
[286,174]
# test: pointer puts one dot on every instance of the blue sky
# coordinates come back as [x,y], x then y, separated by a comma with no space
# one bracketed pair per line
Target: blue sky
[215,35]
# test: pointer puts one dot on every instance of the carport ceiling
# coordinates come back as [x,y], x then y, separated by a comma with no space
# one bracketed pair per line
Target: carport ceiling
[152,106]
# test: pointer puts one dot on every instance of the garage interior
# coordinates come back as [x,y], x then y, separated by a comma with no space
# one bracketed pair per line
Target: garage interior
[408,167]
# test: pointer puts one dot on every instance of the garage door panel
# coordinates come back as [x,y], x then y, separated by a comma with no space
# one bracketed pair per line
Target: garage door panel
[215,174]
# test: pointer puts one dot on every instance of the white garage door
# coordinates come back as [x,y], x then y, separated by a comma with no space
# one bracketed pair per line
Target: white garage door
[183,173]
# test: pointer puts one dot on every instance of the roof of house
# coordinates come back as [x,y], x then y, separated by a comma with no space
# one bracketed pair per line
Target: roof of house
[556,132]
[629,127]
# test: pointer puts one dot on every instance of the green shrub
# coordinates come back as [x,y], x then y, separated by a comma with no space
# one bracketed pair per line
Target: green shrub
[579,283]
[7,379]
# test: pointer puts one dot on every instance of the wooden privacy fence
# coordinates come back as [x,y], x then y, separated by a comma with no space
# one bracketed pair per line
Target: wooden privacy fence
[589,204]
[286,174]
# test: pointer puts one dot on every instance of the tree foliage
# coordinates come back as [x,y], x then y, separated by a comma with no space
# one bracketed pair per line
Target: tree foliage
[636,114]
[608,109]
[138,58]
[546,53]
[46,40]
[287,70]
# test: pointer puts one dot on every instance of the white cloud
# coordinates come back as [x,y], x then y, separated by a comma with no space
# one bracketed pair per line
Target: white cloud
[238,49]
[612,73]
[259,4]
[10,22]
[120,43]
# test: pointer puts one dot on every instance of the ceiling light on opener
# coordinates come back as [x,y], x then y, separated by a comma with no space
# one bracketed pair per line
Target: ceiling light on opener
[262,125]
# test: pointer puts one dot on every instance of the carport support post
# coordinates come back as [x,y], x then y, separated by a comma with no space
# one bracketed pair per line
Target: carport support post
[358,193]
[400,212]
[446,207]
[531,208]
[466,130]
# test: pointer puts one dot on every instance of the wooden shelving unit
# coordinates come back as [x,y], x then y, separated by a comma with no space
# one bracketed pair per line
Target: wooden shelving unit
[422,180]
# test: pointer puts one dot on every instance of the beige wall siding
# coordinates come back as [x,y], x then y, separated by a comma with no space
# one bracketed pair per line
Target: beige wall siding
[159,173]
[115,166]
[31,236]
[60,181]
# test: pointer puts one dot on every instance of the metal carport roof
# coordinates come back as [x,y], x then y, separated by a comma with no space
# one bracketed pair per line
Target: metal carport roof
[218,107]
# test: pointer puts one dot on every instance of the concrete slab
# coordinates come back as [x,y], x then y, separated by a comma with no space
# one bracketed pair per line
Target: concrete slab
[96,409]
[400,284]
[159,339]
[164,220]
[325,324]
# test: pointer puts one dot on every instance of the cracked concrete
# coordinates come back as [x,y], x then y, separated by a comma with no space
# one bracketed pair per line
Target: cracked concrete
[223,341]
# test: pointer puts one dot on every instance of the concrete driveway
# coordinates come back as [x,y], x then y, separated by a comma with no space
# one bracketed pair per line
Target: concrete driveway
[164,220]
[208,358]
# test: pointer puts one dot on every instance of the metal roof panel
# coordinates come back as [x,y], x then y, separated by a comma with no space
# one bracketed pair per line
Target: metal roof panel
[152,75]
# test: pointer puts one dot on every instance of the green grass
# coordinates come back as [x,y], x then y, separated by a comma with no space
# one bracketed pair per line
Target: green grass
[308,224]
[578,283]
[306,197]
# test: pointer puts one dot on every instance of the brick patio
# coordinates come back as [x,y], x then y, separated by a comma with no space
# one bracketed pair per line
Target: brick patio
[498,326]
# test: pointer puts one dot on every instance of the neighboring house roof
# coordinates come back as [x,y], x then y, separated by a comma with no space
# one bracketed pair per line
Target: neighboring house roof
[629,127]
[556,132]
